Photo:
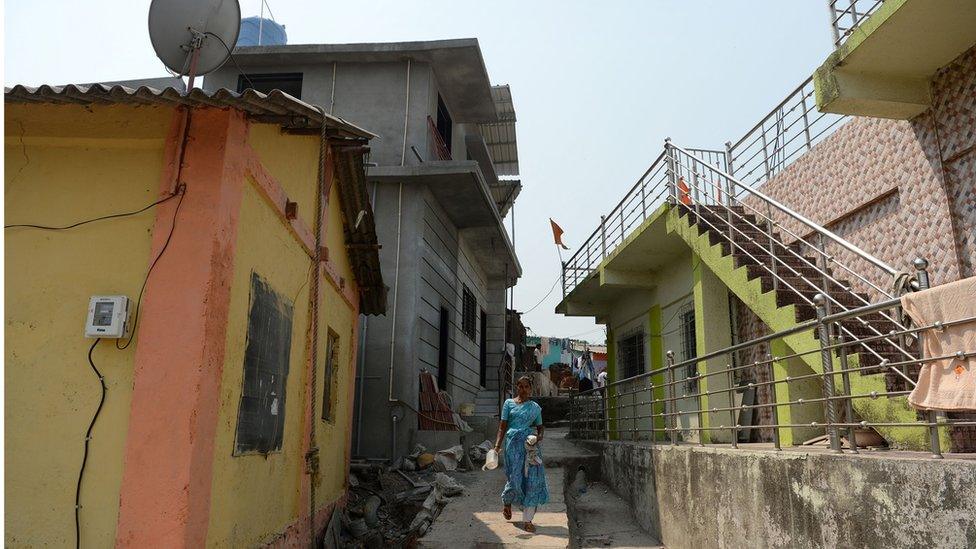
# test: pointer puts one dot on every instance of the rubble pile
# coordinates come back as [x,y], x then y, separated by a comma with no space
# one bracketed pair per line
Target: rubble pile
[394,506]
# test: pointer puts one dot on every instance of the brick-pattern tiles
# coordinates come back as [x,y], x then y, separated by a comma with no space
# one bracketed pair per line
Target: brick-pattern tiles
[750,326]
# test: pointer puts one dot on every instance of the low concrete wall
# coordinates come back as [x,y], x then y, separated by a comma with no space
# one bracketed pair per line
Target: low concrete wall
[698,497]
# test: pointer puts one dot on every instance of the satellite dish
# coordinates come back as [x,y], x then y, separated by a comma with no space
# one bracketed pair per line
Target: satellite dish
[194,37]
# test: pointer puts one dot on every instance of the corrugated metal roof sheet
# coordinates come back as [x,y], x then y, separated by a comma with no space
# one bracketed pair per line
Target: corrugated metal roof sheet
[276,106]
[500,136]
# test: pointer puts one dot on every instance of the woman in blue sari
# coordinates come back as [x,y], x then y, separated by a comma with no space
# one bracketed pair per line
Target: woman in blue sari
[526,484]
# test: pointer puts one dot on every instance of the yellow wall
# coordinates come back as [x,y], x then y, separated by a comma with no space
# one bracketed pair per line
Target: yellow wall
[243,486]
[65,164]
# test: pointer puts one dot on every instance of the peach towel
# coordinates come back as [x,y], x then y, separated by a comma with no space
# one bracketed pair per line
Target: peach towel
[948,384]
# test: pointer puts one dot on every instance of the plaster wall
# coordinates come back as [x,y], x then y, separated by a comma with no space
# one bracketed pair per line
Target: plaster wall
[65,164]
[792,499]
[243,485]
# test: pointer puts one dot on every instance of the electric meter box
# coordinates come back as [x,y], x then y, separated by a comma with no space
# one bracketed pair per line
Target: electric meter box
[108,316]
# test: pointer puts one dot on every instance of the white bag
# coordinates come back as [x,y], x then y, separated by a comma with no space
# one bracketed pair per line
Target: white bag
[491,460]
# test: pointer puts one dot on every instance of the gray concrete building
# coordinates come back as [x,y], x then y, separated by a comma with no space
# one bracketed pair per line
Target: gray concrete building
[442,178]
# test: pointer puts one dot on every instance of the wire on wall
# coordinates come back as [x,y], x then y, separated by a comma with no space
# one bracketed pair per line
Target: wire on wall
[181,191]
[84,459]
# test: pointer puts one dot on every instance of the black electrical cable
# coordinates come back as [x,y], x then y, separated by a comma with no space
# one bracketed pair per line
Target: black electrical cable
[78,224]
[84,459]
[232,60]
[181,191]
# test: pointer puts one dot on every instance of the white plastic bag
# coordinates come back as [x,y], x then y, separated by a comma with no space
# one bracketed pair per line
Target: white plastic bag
[491,460]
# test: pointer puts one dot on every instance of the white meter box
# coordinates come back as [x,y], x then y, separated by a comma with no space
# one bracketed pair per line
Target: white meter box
[108,316]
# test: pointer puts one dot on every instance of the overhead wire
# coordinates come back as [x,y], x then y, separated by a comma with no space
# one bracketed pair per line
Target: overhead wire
[230,55]
[545,297]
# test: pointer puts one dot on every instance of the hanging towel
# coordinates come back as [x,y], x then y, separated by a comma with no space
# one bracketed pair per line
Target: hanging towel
[948,384]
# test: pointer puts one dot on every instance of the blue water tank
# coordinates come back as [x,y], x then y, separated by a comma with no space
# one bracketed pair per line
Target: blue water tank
[272,34]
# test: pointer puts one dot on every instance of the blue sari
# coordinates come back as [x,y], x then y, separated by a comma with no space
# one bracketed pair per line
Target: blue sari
[526,486]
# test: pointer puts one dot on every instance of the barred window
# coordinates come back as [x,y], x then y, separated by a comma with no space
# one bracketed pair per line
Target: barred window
[329,379]
[689,348]
[631,350]
[469,306]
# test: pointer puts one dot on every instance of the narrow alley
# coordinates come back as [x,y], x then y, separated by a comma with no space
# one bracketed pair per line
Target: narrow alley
[356,275]
[580,513]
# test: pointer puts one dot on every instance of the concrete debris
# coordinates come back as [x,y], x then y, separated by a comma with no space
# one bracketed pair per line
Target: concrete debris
[392,507]
[447,460]
[479,452]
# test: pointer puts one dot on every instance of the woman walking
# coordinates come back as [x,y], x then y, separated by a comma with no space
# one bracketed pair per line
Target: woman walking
[526,484]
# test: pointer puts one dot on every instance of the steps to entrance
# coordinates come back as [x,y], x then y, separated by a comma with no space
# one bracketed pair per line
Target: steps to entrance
[797,281]
[743,275]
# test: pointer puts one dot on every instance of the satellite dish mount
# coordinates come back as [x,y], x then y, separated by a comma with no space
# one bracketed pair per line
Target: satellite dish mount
[181,32]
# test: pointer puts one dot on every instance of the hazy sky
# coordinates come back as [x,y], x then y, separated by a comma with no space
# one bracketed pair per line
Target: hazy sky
[597,85]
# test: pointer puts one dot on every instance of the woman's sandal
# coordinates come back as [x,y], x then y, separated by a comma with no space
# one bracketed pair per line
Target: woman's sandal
[507,512]
[529,527]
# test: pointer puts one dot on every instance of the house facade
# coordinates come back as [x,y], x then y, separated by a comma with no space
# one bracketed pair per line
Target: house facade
[866,166]
[440,184]
[232,386]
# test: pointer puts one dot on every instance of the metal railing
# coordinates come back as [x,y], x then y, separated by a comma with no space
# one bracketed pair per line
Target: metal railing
[712,186]
[668,404]
[790,129]
[847,15]
[439,148]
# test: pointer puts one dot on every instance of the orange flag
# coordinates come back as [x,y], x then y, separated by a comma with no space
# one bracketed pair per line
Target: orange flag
[557,234]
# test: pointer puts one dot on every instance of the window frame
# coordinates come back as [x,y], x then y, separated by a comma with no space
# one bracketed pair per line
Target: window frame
[469,312]
[264,306]
[630,345]
[245,81]
[330,376]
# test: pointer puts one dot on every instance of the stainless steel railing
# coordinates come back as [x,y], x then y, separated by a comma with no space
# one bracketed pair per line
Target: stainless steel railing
[668,405]
[789,130]
[847,15]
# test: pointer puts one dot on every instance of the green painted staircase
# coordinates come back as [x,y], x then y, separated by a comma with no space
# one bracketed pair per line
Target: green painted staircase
[737,253]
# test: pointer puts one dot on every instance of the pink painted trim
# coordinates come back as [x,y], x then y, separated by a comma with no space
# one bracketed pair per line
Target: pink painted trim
[277,198]
[179,350]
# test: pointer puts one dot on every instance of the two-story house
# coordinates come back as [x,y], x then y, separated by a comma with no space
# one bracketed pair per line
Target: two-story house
[445,136]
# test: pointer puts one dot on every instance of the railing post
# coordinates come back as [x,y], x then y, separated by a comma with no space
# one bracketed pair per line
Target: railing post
[573,417]
[606,412]
[833,22]
[644,199]
[806,121]
[731,170]
[848,402]
[672,414]
[922,276]
[828,373]
[733,421]
[603,234]
[772,393]
[701,406]
[672,171]
[564,278]
[823,271]
[772,246]
[765,145]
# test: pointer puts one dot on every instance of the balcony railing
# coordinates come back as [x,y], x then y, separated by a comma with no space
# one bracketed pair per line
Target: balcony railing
[439,148]
[847,15]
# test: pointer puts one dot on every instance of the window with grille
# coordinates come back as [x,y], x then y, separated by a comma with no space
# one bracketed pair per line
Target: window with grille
[469,307]
[631,352]
[689,345]
[261,412]
[329,376]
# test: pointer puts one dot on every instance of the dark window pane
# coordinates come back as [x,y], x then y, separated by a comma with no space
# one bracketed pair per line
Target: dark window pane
[260,415]
[288,82]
